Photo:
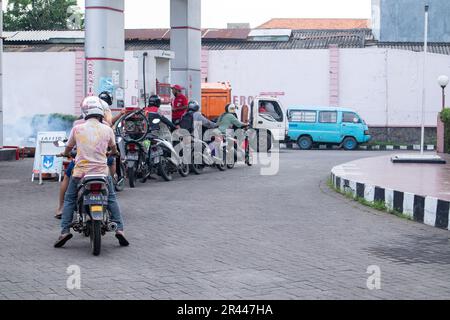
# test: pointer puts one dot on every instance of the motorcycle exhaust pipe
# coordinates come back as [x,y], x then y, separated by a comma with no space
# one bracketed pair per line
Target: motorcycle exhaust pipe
[112,226]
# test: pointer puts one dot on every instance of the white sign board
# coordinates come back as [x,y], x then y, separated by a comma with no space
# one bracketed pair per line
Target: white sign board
[45,160]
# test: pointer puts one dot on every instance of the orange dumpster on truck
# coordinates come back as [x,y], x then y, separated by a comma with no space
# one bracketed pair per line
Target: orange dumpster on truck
[215,96]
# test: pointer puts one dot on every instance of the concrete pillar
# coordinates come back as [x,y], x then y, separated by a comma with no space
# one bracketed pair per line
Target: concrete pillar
[105,48]
[185,42]
[1,74]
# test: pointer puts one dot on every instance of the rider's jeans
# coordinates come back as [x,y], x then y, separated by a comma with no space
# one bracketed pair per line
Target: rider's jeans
[70,202]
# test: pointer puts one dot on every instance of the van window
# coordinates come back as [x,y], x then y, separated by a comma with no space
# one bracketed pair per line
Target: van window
[270,110]
[328,116]
[349,116]
[302,116]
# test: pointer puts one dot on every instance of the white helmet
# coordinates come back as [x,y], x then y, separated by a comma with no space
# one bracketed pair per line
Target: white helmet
[93,106]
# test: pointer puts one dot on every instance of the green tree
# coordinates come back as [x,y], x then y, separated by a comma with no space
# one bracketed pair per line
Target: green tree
[42,15]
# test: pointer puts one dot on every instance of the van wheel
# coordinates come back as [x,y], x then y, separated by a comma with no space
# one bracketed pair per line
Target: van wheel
[305,143]
[350,143]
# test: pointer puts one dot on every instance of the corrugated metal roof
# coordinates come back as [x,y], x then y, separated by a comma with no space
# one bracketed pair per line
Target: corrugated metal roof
[147,34]
[306,24]
[213,39]
[43,35]
[434,47]
[226,34]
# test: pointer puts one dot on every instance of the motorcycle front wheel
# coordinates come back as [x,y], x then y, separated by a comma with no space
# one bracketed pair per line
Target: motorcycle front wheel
[119,183]
[197,168]
[96,237]
[164,169]
[184,170]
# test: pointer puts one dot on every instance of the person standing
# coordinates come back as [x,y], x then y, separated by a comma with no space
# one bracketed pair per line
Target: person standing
[179,103]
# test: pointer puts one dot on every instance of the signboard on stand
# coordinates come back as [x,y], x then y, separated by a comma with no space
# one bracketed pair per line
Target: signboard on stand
[45,160]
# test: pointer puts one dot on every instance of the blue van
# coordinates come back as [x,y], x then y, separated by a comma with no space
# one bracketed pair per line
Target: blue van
[328,125]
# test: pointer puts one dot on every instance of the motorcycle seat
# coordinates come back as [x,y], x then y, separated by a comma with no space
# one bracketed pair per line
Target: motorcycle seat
[101,178]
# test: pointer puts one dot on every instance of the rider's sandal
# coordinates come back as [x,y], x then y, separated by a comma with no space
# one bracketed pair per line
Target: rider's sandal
[62,240]
[122,241]
[58,216]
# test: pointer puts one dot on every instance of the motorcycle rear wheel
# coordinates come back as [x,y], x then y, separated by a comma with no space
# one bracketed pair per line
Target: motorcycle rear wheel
[132,177]
[96,237]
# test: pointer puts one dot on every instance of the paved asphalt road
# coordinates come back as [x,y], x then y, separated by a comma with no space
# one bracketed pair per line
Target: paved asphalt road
[223,235]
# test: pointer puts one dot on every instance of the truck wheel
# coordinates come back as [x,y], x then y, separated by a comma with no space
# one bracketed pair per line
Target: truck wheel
[350,143]
[305,143]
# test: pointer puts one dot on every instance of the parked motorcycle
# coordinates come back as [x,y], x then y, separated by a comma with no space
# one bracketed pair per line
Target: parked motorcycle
[164,159]
[133,128]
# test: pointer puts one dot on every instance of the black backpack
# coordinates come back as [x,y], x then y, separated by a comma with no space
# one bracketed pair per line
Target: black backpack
[187,121]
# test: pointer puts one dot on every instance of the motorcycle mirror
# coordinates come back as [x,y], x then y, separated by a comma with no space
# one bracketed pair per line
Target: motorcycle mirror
[156,121]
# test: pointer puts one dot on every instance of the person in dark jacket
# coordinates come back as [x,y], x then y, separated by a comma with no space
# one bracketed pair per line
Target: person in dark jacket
[152,112]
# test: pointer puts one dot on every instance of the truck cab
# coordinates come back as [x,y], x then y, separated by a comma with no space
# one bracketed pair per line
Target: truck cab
[267,113]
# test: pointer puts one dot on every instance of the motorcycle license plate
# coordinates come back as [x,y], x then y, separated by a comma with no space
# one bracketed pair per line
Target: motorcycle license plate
[156,153]
[97,212]
[156,159]
[95,200]
[132,157]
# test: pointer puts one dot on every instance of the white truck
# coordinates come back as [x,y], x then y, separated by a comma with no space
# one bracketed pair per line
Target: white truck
[268,116]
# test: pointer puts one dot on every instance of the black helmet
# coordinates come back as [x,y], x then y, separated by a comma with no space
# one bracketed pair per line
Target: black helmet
[154,100]
[193,106]
[107,97]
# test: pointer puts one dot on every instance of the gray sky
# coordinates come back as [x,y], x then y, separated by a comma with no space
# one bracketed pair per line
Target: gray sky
[216,13]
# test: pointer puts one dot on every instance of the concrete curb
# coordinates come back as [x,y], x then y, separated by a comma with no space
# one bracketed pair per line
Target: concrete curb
[424,209]
[371,147]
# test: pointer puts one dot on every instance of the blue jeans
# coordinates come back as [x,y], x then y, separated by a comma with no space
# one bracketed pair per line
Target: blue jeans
[70,203]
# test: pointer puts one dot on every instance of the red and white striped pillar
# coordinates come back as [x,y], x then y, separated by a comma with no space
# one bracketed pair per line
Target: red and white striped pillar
[185,41]
[105,48]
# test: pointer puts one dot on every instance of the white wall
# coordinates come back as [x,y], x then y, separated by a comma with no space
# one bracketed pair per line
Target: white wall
[383,85]
[301,75]
[38,83]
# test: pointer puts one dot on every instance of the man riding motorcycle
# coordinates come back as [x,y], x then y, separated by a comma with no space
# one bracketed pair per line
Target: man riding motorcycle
[228,119]
[194,121]
[152,112]
[92,139]
[108,120]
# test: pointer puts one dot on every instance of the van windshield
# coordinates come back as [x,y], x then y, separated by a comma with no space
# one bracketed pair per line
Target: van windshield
[351,117]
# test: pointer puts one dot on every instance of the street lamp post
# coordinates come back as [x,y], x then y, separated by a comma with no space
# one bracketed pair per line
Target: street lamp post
[443,82]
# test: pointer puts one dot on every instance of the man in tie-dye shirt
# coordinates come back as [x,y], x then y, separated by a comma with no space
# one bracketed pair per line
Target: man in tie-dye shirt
[92,139]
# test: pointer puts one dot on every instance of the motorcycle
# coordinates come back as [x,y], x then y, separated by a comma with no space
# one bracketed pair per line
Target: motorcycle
[237,150]
[163,159]
[133,128]
[92,216]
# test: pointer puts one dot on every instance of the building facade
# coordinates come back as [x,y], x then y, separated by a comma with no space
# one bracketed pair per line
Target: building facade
[403,20]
